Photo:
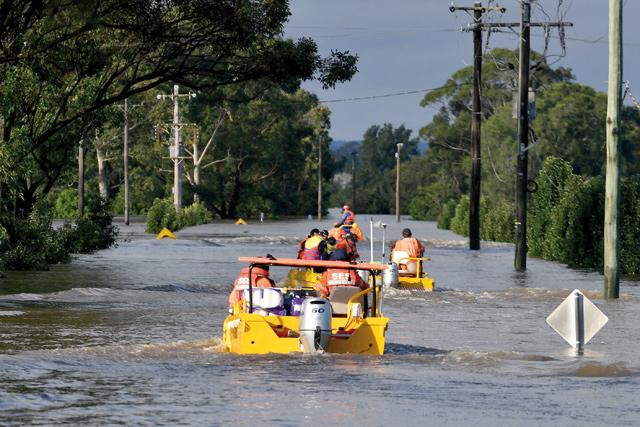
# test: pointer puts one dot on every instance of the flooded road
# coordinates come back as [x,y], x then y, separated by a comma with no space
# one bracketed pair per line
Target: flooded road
[131,336]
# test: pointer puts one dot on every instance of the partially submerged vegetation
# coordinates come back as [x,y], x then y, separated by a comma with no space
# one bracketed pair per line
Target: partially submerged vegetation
[65,72]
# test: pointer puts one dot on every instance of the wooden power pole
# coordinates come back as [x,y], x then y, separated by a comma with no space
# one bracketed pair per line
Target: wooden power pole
[522,169]
[176,150]
[125,160]
[611,200]
[81,179]
[476,119]
[525,24]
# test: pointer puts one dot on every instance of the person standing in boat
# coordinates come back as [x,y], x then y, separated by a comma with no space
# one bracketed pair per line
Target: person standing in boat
[334,277]
[407,247]
[260,279]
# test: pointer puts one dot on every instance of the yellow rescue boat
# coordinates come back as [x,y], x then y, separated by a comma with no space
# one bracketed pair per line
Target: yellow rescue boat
[401,279]
[415,278]
[294,319]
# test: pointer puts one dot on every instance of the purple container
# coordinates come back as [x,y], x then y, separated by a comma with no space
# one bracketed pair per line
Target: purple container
[296,306]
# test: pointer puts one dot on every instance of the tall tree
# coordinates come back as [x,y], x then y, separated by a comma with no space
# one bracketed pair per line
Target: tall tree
[61,62]
[376,170]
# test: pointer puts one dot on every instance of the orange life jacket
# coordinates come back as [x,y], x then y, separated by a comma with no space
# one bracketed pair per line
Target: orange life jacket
[336,233]
[333,277]
[311,250]
[350,219]
[260,279]
[348,248]
[411,246]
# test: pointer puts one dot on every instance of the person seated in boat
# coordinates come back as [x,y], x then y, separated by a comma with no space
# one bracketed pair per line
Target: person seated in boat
[346,249]
[313,232]
[333,277]
[260,279]
[310,250]
[327,247]
[405,248]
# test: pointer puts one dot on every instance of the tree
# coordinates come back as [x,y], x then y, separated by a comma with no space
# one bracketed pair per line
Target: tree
[63,62]
[376,170]
[267,156]
[448,134]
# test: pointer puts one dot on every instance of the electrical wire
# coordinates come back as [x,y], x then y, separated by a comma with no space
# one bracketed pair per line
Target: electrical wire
[386,95]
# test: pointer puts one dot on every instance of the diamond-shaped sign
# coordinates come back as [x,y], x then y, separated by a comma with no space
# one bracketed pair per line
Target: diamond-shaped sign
[566,319]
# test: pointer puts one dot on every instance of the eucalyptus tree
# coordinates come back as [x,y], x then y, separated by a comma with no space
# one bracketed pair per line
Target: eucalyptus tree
[62,62]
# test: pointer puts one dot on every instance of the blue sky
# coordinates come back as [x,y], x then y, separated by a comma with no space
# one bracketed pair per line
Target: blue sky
[408,45]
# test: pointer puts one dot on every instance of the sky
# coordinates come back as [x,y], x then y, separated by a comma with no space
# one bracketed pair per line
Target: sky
[414,45]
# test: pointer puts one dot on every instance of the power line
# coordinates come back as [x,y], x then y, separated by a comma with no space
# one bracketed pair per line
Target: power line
[386,95]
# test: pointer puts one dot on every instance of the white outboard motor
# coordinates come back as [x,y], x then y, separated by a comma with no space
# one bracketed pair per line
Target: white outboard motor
[390,276]
[315,325]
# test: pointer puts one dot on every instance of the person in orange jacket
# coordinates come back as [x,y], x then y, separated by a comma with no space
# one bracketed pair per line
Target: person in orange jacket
[260,279]
[408,245]
[346,249]
[334,277]
[313,232]
[348,218]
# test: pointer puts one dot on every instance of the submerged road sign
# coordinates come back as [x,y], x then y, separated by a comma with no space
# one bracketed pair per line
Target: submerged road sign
[577,320]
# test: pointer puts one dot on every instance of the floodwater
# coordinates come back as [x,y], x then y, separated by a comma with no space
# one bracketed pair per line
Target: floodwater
[131,336]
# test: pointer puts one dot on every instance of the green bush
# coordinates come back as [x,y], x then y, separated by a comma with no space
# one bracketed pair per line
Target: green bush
[67,204]
[33,244]
[194,215]
[551,181]
[94,231]
[460,220]
[446,214]
[163,214]
[160,215]
[629,225]
[497,221]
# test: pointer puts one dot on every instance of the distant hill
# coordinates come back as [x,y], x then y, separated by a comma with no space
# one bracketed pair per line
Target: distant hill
[341,147]
[338,144]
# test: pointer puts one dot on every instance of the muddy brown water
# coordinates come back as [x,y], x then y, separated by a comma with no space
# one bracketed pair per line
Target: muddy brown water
[131,336]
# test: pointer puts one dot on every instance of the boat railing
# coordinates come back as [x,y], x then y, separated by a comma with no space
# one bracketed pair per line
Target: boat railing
[419,262]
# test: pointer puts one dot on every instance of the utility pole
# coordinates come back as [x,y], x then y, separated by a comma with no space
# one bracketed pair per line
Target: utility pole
[520,262]
[525,24]
[175,151]
[319,177]
[177,164]
[81,178]
[476,119]
[353,181]
[612,185]
[125,156]
[125,160]
[399,147]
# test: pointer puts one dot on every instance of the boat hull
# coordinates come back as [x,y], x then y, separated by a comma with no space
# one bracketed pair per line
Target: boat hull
[249,333]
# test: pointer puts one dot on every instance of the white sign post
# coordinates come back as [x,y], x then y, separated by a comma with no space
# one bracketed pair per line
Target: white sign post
[577,320]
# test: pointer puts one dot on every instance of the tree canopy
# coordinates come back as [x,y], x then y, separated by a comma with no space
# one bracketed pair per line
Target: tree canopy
[62,62]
